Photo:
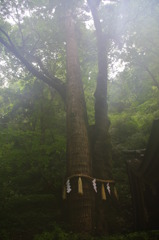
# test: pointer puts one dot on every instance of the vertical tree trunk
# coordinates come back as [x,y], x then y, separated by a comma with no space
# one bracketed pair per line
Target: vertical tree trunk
[78,149]
[102,155]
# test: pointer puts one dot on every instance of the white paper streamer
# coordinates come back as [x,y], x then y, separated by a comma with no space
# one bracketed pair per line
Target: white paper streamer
[94,185]
[108,188]
[68,186]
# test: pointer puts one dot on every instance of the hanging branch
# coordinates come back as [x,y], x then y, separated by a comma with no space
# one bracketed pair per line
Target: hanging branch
[51,81]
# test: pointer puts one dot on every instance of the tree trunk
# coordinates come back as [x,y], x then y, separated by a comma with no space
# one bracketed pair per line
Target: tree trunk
[102,155]
[78,148]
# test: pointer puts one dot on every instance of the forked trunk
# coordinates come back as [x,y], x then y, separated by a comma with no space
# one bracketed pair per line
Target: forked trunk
[78,149]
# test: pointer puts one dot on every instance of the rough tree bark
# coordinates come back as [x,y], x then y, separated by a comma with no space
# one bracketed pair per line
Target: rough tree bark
[78,147]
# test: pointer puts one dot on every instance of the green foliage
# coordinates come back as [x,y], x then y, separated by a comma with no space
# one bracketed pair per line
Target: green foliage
[32,117]
[56,234]
[133,93]
[59,234]
[23,214]
[132,112]
[32,159]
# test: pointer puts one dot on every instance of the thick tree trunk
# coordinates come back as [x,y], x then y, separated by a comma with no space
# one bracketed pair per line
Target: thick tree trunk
[103,142]
[102,155]
[78,149]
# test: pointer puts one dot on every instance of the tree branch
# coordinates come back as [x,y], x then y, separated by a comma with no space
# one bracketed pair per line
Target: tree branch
[7,36]
[153,77]
[51,81]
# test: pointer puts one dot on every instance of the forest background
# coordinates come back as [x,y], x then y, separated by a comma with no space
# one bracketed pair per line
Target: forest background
[32,115]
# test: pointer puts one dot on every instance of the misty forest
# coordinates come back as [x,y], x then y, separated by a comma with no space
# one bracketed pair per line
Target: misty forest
[79,119]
